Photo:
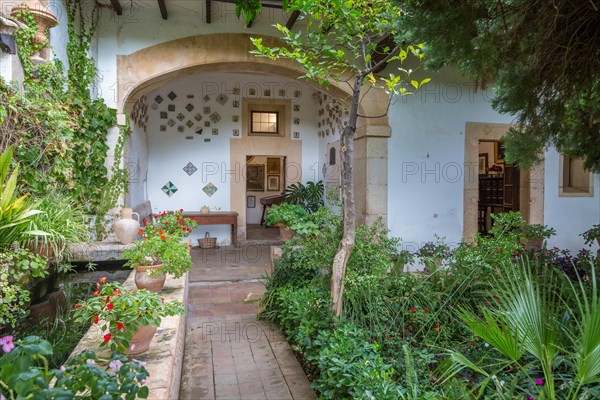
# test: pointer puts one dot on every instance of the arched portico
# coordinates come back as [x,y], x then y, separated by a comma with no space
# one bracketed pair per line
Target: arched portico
[150,68]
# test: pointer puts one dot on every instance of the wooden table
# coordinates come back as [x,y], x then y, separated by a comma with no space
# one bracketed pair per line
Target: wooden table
[216,218]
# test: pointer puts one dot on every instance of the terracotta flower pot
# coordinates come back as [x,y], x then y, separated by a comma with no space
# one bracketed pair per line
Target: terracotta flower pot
[285,233]
[153,283]
[140,342]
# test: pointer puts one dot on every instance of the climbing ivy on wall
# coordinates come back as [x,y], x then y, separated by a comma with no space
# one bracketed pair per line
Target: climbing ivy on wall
[60,132]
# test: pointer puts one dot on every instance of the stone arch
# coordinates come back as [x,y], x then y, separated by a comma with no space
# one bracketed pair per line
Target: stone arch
[147,69]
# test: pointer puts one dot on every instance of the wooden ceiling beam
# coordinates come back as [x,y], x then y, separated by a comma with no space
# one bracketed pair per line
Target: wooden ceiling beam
[163,9]
[265,3]
[117,6]
[292,19]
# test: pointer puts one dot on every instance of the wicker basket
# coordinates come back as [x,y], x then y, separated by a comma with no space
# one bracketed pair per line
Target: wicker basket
[208,242]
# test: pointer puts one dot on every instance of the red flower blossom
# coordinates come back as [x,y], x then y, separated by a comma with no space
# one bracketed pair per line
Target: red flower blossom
[120,325]
[184,229]
[145,222]
[163,238]
[96,293]
[426,310]
[96,319]
[140,232]
[162,299]
[389,337]
[436,329]
[103,279]
[487,303]
[181,210]
[107,338]
[76,306]
[413,309]
[155,216]
[117,292]
[161,232]
[109,306]
[107,299]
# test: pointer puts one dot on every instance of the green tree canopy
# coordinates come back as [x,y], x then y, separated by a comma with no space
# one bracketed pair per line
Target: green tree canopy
[543,58]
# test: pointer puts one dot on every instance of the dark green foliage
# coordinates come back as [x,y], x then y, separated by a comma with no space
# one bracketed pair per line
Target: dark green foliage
[543,58]
[310,196]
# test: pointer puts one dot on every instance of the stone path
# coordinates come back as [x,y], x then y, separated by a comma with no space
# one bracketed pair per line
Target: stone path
[228,353]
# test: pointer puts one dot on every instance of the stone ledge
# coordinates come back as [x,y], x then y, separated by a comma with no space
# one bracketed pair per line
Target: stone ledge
[98,251]
[164,359]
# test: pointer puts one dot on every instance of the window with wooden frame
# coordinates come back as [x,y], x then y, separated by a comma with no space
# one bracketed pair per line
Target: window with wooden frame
[265,122]
[574,180]
[266,117]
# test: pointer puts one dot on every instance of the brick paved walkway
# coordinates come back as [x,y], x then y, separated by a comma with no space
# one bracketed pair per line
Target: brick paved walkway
[228,353]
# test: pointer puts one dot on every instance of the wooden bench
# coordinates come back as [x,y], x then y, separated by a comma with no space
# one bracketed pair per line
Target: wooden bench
[216,218]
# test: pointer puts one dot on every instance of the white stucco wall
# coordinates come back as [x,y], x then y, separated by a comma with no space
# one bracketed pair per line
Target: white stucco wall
[426,157]
[570,216]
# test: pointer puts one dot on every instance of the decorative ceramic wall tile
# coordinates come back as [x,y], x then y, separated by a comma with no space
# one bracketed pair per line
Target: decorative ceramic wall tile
[296,107]
[206,98]
[236,104]
[296,121]
[296,135]
[154,106]
[169,189]
[297,93]
[171,123]
[236,90]
[281,92]
[172,96]
[180,128]
[215,131]
[222,99]
[198,117]
[190,96]
[171,107]
[163,128]
[206,110]
[180,117]
[190,168]
[163,115]
[206,123]
[235,118]
[251,92]
[209,189]
[158,99]
[267,93]
[189,124]
[236,132]
[215,117]
[207,140]
[189,107]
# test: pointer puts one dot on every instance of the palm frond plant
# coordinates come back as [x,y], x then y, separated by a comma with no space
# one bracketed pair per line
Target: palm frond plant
[546,331]
[15,210]
[309,196]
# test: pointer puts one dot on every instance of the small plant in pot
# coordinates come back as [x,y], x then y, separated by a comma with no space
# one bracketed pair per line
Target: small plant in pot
[128,318]
[157,254]
[290,219]
[172,223]
[535,234]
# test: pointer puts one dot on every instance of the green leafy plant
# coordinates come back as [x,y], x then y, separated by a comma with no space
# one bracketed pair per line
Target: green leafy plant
[121,312]
[64,223]
[591,234]
[310,196]
[538,231]
[159,247]
[24,373]
[293,217]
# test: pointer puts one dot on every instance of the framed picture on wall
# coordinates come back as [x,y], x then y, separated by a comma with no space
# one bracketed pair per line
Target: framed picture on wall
[498,152]
[483,162]
[255,178]
[273,166]
[251,202]
[273,183]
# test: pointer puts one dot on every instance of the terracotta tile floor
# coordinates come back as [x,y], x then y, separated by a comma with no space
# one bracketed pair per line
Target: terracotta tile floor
[229,354]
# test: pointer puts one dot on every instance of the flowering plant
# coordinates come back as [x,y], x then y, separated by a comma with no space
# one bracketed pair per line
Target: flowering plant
[160,247]
[591,234]
[172,223]
[432,254]
[22,376]
[121,312]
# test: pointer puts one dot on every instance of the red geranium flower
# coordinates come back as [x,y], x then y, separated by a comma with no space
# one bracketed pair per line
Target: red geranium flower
[96,293]
[181,209]
[145,222]
[487,303]
[162,299]
[107,299]
[103,279]
[76,306]
[163,238]
[140,232]
[109,306]
[120,325]
[96,319]
[107,338]
[413,309]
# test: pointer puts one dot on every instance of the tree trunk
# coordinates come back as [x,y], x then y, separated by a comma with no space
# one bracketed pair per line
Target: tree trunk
[346,245]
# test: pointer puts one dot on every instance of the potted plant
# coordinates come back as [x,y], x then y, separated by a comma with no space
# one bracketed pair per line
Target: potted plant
[286,216]
[173,223]
[25,374]
[535,234]
[592,234]
[157,254]
[129,318]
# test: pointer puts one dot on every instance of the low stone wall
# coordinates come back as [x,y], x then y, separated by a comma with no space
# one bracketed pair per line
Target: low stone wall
[164,359]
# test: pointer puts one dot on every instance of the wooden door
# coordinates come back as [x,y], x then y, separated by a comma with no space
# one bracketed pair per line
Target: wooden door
[510,188]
